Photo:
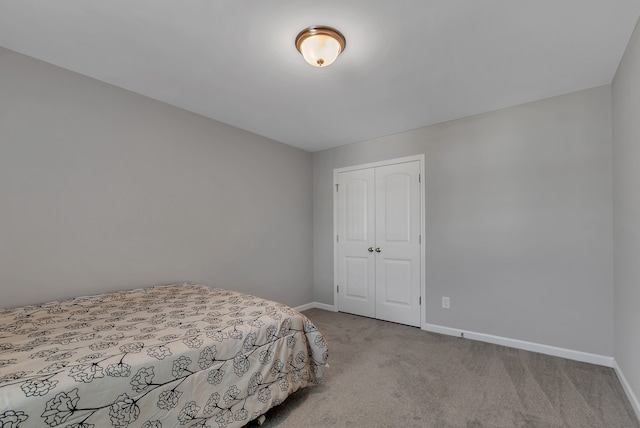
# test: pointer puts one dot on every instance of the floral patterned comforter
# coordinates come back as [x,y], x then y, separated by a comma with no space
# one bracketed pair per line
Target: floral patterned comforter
[168,356]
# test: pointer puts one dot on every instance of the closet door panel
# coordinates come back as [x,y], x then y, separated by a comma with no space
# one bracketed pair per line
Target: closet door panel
[356,235]
[397,215]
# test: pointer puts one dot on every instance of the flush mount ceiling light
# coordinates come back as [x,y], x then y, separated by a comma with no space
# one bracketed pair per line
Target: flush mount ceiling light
[320,46]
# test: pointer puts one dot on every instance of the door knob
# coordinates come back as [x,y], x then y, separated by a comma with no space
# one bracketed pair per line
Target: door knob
[370,249]
[378,250]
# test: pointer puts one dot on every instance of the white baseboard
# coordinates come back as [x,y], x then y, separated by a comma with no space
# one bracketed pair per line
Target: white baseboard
[586,357]
[627,389]
[316,305]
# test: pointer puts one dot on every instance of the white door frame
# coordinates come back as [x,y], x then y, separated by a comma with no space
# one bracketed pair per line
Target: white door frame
[423,282]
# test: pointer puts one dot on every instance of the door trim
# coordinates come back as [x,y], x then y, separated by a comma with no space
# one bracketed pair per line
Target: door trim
[423,240]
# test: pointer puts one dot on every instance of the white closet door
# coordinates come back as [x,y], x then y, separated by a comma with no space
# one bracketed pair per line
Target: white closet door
[356,236]
[397,212]
[379,250]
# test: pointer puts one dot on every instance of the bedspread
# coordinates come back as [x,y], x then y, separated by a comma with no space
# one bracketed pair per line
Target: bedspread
[168,356]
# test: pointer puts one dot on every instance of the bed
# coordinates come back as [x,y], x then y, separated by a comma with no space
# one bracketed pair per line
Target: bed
[182,355]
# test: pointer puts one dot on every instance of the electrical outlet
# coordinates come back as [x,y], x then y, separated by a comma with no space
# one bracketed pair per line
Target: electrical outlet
[446,302]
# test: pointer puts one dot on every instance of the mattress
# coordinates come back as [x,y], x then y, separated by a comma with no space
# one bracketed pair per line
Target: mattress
[168,356]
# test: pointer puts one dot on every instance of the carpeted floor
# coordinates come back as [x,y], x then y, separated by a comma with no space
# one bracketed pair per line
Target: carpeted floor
[383,374]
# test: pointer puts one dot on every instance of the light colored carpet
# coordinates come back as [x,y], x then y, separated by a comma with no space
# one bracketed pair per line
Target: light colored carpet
[383,374]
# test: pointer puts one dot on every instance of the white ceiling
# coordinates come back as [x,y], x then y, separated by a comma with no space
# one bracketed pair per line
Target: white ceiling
[407,63]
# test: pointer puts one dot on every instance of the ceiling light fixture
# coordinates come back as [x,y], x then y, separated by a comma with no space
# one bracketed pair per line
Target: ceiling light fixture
[320,46]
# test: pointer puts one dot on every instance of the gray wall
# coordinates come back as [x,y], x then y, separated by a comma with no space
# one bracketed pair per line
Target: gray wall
[518,219]
[103,189]
[626,179]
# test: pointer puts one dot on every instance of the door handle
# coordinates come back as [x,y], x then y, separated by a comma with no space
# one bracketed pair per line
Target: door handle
[378,250]
[370,249]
